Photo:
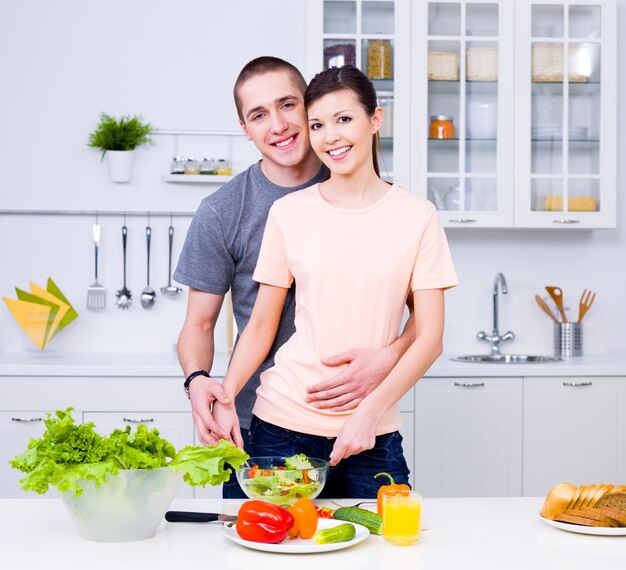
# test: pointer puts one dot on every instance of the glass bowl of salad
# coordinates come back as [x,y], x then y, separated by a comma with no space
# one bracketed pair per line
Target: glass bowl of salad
[283,480]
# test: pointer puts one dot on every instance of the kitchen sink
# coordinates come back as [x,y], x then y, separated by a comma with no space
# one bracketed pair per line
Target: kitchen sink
[506,358]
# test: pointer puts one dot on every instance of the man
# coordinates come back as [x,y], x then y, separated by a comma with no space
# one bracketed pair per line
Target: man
[222,247]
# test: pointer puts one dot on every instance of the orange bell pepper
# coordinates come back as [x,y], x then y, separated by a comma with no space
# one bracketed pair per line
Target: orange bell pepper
[304,519]
[392,488]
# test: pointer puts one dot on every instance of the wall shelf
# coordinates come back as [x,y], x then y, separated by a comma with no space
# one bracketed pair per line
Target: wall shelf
[196,178]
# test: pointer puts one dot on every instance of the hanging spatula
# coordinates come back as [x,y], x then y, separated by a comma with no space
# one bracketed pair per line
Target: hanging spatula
[96,294]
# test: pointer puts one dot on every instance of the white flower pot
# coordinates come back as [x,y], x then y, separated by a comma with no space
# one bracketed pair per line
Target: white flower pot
[120,165]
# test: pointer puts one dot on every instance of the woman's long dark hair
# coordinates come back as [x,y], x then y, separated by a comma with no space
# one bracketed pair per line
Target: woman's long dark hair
[346,77]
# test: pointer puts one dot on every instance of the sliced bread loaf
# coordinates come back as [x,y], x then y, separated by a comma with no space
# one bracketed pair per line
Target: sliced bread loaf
[557,500]
[615,501]
[584,521]
[619,516]
[595,515]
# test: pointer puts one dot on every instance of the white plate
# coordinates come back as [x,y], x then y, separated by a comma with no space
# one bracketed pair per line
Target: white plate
[580,529]
[300,545]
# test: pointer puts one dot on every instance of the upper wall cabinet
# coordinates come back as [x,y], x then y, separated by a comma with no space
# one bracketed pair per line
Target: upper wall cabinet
[375,36]
[503,112]
[565,170]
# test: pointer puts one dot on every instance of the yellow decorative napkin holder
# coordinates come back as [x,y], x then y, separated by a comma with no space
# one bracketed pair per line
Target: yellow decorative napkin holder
[42,313]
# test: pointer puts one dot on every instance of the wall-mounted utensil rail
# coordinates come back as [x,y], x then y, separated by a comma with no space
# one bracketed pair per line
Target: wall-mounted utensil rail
[95,213]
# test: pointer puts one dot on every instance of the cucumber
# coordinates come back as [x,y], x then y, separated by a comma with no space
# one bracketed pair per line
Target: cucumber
[368,519]
[340,533]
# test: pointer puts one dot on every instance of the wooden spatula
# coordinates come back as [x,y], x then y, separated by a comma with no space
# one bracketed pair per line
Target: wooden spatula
[557,296]
[545,308]
[586,300]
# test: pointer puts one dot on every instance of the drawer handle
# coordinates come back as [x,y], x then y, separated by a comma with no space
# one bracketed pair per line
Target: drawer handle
[565,221]
[577,384]
[462,220]
[138,420]
[27,420]
[469,384]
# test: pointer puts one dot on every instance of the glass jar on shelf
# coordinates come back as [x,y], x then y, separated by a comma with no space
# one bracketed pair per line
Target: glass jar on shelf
[177,166]
[379,59]
[441,127]
[224,168]
[192,166]
[207,166]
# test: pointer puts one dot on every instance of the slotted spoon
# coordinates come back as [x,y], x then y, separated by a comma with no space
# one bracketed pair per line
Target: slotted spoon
[557,296]
[586,300]
[123,297]
[96,294]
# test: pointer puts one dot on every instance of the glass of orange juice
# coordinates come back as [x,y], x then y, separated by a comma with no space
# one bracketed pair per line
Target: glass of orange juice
[402,514]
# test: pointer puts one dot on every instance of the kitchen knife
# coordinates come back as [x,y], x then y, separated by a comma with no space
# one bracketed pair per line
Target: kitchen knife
[188,516]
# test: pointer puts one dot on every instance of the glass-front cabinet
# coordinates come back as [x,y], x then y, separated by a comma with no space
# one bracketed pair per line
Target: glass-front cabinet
[565,120]
[503,111]
[463,110]
[373,35]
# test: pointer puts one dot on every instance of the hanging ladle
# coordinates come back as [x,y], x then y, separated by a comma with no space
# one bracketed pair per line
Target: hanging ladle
[170,290]
[148,295]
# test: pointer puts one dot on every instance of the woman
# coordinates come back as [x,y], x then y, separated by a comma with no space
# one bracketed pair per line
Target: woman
[356,247]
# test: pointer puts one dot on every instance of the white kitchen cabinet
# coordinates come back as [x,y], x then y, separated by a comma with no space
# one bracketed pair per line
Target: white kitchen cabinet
[468,437]
[535,131]
[176,427]
[16,429]
[408,442]
[565,131]
[534,141]
[374,36]
[462,69]
[574,430]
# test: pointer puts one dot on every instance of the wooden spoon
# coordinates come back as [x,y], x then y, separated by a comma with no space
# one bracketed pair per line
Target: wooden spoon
[557,296]
[545,308]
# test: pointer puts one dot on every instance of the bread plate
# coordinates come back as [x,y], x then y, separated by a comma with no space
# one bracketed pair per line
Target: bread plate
[299,545]
[580,529]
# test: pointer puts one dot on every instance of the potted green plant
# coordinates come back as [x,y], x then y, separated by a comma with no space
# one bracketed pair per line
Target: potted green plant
[117,139]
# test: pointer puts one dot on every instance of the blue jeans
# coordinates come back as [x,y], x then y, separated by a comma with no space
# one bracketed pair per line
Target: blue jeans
[352,477]
[231,489]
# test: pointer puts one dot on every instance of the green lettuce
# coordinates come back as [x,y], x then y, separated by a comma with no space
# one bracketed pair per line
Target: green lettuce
[67,453]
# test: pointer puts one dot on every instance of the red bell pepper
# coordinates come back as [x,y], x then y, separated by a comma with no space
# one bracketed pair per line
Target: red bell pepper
[263,522]
[324,512]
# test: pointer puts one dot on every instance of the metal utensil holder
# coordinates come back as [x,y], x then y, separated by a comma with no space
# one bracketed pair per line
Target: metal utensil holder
[568,339]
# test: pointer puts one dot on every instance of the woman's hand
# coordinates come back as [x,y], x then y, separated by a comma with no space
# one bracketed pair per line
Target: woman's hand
[357,434]
[226,417]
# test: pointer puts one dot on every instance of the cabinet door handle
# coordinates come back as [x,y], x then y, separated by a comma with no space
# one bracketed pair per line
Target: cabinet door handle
[565,221]
[469,384]
[26,420]
[138,420]
[577,384]
[461,220]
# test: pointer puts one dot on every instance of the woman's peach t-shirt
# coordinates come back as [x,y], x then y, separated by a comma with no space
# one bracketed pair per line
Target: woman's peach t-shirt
[353,270]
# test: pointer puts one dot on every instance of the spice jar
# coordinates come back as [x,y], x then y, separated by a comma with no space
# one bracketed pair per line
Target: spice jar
[192,166]
[223,167]
[379,59]
[441,127]
[177,166]
[207,166]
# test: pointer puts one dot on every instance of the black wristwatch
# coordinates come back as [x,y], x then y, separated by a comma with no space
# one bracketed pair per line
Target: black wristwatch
[191,377]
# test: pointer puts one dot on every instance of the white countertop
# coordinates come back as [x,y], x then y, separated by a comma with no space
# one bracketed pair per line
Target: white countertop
[166,365]
[486,534]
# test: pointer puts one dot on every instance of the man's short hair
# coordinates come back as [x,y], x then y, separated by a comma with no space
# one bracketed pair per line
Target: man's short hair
[260,66]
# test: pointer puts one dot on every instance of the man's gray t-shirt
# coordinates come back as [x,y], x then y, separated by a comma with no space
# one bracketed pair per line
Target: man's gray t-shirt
[221,251]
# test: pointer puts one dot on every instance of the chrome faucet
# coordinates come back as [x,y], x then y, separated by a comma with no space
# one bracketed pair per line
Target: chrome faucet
[495,338]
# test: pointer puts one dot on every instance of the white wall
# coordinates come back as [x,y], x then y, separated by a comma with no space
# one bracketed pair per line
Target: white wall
[64,62]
